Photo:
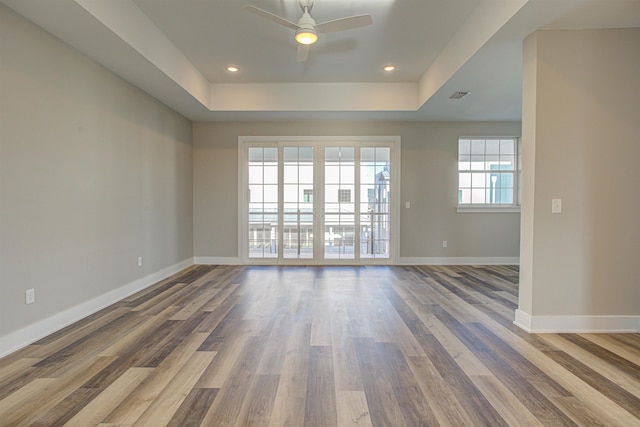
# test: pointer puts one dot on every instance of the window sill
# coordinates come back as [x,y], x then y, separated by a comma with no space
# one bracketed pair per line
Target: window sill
[487,209]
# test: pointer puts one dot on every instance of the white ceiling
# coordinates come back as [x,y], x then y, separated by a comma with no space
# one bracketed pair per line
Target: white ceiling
[178,50]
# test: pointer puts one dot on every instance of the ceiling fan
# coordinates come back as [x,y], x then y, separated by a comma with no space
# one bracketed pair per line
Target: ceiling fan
[306,30]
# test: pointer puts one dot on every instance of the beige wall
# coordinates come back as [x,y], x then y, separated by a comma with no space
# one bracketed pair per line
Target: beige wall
[429,182]
[93,174]
[581,123]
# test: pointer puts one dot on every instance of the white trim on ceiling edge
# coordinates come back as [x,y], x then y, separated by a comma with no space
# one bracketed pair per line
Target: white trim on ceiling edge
[32,333]
[576,324]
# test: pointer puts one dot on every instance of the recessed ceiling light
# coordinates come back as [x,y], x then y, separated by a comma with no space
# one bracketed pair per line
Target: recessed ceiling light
[233,69]
[389,68]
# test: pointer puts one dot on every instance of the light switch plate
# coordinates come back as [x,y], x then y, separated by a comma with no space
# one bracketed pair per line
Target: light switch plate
[556,206]
[30,296]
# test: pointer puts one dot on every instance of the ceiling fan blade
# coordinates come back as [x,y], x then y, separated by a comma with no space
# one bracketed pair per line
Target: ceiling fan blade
[270,16]
[303,52]
[342,24]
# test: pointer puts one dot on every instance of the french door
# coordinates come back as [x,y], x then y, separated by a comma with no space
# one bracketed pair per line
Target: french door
[317,202]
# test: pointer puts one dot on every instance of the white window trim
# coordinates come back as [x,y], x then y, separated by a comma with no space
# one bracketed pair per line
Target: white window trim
[493,208]
[270,141]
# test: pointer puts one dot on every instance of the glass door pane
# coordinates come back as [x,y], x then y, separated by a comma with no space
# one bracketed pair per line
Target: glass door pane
[288,182]
[375,202]
[298,223]
[339,203]
[263,202]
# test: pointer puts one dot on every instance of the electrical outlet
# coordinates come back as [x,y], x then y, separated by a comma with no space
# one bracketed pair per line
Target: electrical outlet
[30,296]
[139,261]
[444,243]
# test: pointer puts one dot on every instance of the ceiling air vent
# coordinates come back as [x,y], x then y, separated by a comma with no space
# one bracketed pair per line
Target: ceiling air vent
[460,94]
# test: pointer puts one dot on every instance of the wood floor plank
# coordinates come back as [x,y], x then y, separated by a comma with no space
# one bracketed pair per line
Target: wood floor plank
[84,345]
[258,405]
[135,333]
[479,409]
[618,370]
[608,412]
[194,407]
[94,412]
[345,362]
[320,403]
[275,350]
[167,403]
[383,405]
[535,400]
[10,371]
[464,357]
[413,404]
[304,345]
[608,357]
[29,409]
[14,403]
[512,410]
[170,296]
[613,391]
[580,413]
[216,374]
[352,409]
[227,295]
[67,408]
[448,410]
[609,342]
[228,403]
[630,340]
[529,372]
[139,399]
[77,330]
[289,404]
[321,324]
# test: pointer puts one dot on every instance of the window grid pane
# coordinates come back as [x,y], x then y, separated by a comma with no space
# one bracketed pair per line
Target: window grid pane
[339,227]
[492,162]
[375,202]
[297,240]
[263,202]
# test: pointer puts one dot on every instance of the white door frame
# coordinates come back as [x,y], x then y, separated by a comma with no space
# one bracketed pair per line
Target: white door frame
[244,142]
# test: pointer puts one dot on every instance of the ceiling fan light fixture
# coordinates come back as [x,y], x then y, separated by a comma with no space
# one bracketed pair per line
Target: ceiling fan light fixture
[306,36]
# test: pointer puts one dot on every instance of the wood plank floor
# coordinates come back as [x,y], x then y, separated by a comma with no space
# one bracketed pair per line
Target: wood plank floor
[321,346]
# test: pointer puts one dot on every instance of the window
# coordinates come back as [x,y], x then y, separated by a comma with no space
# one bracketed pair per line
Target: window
[487,173]
[344,196]
[307,196]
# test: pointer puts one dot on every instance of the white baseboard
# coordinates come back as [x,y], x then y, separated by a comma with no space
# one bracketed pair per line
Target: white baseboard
[577,324]
[458,261]
[32,333]
[208,260]
[523,320]
[212,260]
